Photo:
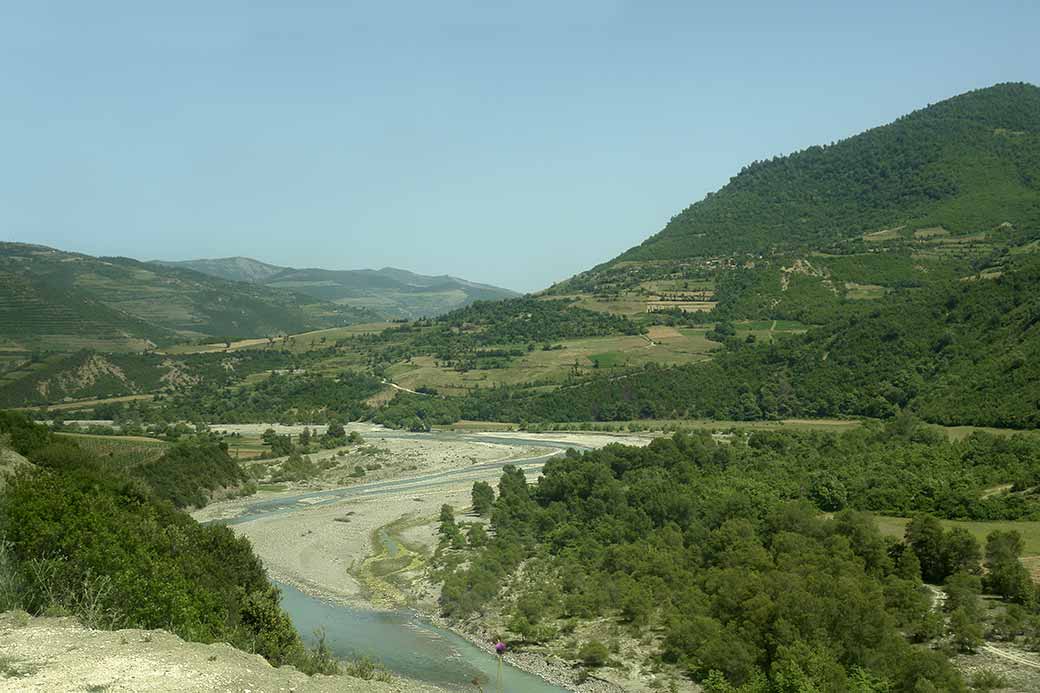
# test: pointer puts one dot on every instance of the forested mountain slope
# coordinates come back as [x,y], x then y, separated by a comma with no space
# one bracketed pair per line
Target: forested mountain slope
[966,164]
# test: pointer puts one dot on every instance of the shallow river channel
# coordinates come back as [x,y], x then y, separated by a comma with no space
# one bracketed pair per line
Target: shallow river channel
[402,641]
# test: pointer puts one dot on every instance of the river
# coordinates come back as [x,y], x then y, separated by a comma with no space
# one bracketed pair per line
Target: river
[403,641]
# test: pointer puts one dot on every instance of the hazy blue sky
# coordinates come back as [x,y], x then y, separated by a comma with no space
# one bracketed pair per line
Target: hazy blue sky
[512,143]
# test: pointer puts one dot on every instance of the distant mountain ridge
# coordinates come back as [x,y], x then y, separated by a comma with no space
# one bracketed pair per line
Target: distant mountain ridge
[235,269]
[64,301]
[390,292]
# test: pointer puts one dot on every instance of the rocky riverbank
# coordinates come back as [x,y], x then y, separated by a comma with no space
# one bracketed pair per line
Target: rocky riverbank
[552,669]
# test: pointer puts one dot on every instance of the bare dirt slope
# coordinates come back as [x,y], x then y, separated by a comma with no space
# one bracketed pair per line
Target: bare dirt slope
[58,654]
[10,461]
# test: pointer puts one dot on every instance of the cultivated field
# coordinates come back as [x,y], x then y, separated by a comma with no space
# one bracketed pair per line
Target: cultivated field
[551,368]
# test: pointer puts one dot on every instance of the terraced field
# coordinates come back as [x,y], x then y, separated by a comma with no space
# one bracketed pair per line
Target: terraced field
[124,451]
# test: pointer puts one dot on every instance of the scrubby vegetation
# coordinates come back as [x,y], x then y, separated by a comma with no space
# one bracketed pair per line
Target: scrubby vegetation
[79,538]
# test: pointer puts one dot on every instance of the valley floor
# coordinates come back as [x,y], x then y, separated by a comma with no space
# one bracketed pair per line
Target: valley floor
[369,549]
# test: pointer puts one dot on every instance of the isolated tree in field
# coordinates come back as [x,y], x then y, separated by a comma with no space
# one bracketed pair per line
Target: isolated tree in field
[305,437]
[448,527]
[281,446]
[483,498]
[336,429]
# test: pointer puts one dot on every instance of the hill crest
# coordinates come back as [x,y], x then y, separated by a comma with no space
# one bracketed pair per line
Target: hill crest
[967,162]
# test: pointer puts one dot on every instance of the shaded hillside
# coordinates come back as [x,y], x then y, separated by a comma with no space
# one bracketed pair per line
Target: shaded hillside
[965,164]
[390,292]
[59,300]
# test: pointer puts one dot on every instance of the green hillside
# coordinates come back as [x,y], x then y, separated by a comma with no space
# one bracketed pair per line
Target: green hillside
[966,164]
[965,352]
[391,293]
[64,301]
[923,312]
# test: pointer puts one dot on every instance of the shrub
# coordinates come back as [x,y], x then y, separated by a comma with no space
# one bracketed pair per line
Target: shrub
[594,653]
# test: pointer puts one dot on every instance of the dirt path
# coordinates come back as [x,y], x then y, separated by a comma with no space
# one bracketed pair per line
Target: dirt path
[1012,657]
[404,389]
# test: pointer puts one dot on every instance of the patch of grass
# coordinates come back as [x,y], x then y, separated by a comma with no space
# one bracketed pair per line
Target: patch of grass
[11,668]
[367,669]
[932,232]
[884,235]
[988,680]
[387,566]
[962,432]
[296,343]
[864,292]
[610,359]
[1030,530]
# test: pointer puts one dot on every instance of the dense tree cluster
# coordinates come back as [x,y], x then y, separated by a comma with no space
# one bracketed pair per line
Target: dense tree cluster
[287,398]
[190,471]
[724,547]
